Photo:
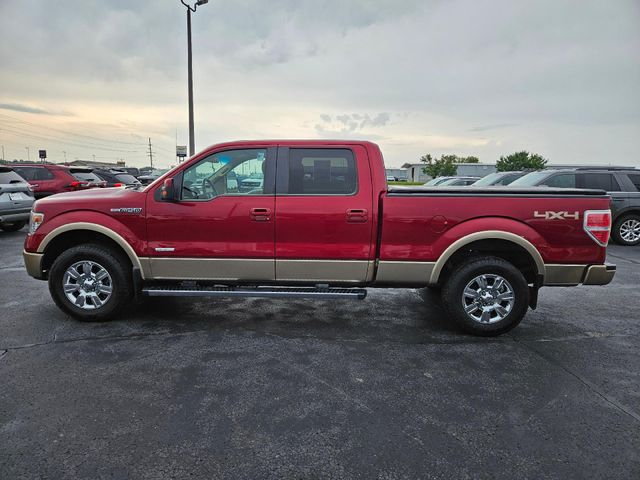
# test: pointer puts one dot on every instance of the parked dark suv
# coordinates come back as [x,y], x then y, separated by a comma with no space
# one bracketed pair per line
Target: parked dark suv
[623,184]
[117,178]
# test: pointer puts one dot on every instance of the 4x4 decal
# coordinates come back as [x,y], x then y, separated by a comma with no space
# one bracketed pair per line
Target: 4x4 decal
[126,210]
[551,215]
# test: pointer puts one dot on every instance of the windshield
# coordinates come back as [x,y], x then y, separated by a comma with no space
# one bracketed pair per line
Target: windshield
[490,179]
[530,179]
[436,181]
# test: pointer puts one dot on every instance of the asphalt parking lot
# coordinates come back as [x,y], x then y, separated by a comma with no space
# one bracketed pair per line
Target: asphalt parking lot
[382,388]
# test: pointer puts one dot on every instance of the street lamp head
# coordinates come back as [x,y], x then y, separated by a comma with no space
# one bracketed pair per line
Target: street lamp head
[201,2]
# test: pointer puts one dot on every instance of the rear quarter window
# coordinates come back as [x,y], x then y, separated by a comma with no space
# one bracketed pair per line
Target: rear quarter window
[635,179]
[9,176]
[86,176]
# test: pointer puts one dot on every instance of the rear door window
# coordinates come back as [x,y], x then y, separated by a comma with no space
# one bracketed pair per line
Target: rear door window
[600,181]
[86,176]
[564,180]
[330,171]
[34,173]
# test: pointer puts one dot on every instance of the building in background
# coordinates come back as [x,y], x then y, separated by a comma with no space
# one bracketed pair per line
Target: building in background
[399,174]
[415,171]
[94,164]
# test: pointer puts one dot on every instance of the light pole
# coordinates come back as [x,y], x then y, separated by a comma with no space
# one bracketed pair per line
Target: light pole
[28,156]
[192,136]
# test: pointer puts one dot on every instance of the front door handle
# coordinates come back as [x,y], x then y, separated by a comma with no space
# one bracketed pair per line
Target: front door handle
[260,214]
[357,215]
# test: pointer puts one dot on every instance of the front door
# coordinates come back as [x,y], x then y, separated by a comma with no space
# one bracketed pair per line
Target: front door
[222,226]
[323,215]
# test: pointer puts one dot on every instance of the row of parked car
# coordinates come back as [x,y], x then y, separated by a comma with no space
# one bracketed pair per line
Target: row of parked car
[21,184]
[622,183]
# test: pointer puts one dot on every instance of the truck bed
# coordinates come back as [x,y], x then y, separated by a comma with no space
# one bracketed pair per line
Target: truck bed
[491,191]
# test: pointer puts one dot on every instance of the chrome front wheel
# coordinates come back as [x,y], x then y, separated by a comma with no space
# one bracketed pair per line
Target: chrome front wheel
[87,285]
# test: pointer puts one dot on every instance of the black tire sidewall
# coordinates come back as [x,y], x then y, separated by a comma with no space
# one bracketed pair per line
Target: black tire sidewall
[461,276]
[616,230]
[115,264]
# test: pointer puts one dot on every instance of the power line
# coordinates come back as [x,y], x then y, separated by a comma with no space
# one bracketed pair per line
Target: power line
[18,132]
[65,132]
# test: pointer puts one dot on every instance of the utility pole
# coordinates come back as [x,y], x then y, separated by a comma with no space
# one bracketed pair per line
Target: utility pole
[150,154]
[65,155]
[3,152]
[28,155]
[192,135]
[94,157]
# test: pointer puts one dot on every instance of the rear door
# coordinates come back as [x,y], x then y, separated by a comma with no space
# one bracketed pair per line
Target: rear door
[323,215]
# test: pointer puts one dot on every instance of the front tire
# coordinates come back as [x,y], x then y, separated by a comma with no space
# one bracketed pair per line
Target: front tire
[626,230]
[12,226]
[90,282]
[486,296]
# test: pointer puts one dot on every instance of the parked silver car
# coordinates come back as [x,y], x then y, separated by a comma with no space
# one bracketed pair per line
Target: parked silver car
[16,199]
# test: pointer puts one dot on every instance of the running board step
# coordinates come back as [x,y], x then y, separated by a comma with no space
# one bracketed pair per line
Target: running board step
[268,292]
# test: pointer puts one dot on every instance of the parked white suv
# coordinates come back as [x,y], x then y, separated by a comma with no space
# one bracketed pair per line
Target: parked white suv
[16,199]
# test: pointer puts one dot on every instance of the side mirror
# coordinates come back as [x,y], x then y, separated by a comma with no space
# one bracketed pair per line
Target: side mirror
[168,193]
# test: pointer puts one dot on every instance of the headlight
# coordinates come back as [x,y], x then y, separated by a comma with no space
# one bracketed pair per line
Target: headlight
[35,220]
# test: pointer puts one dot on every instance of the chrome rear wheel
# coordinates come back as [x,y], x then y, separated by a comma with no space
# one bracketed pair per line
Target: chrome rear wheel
[488,298]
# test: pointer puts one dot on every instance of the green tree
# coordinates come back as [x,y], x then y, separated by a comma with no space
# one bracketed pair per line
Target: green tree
[446,165]
[520,161]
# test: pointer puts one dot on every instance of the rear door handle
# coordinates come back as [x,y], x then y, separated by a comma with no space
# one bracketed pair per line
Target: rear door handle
[357,215]
[260,214]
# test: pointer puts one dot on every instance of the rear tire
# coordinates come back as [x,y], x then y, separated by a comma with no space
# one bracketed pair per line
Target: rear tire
[486,296]
[12,226]
[626,230]
[91,283]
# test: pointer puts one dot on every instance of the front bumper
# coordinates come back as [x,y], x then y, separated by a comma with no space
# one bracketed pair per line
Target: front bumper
[571,275]
[33,264]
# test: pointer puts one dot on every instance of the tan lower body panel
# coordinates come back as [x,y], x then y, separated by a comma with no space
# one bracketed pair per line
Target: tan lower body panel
[407,273]
[329,271]
[563,274]
[229,269]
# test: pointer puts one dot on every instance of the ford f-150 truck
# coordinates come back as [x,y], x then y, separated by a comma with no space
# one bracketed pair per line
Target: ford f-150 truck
[320,222]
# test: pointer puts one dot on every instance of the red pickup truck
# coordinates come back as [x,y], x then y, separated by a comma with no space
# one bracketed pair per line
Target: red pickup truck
[315,219]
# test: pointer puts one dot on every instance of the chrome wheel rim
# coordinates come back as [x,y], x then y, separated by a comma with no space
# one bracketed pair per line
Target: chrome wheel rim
[630,230]
[488,298]
[87,285]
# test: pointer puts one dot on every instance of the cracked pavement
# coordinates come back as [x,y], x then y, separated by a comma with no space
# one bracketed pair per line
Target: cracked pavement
[255,388]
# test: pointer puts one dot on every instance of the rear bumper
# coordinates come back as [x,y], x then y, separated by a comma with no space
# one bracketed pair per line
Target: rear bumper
[571,275]
[33,264]
[15,215]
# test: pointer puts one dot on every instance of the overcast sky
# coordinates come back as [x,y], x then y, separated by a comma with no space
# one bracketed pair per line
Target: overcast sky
[470,77]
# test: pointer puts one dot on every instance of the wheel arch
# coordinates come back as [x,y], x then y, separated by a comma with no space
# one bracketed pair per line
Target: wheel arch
[506,245]
[73,234]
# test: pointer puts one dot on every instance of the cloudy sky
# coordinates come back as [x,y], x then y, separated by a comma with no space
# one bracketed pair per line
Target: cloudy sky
[470,77]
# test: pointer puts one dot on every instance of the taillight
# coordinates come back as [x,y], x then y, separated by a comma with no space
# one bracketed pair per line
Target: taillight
[118,184]
[597,224]
[77,184]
